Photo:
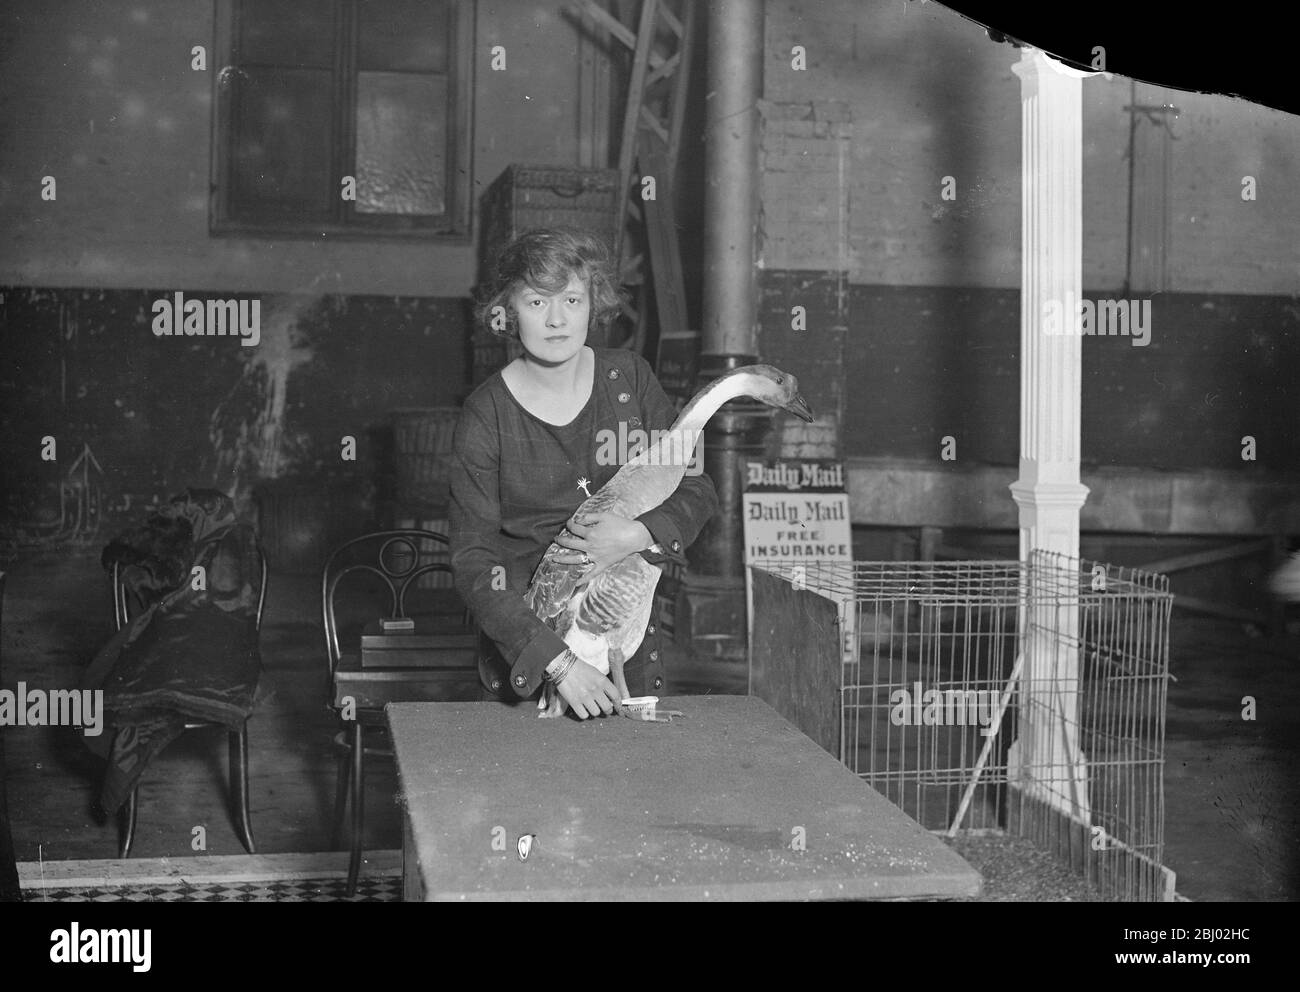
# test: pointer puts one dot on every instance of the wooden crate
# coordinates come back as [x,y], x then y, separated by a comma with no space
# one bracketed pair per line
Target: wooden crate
[422,442]
[528,196]
[491,352]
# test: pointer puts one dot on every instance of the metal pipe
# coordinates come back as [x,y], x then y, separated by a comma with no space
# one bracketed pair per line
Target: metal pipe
[713,591]
[735,52]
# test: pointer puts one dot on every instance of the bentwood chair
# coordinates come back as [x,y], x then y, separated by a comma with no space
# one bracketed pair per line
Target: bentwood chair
[237,740]
[436,661]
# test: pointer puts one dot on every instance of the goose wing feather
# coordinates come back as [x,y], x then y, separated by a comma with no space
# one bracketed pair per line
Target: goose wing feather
[618,602]
[555,582]
[627,637]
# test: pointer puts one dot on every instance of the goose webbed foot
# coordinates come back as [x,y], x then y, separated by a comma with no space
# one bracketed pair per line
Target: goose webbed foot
[619,679]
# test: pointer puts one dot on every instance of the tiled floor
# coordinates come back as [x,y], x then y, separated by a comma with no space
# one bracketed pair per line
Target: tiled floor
[207,878]
[387,889]
[1232,798]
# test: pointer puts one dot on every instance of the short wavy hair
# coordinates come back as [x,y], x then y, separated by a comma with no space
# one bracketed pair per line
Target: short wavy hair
[544,259]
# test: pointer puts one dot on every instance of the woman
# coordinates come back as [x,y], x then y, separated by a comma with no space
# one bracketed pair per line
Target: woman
[527,452]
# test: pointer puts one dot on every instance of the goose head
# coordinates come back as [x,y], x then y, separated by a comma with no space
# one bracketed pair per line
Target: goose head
[769,385]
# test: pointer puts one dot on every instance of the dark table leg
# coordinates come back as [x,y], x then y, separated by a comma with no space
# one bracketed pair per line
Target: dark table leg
[358,804]
[10,891]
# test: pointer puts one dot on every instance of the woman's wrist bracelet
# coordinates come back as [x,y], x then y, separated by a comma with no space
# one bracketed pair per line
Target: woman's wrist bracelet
[565,669]
[562,669]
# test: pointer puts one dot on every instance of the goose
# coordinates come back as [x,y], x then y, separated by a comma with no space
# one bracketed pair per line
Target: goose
[602,621]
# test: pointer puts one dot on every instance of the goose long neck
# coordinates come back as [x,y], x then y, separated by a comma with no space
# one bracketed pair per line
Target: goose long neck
[709,400]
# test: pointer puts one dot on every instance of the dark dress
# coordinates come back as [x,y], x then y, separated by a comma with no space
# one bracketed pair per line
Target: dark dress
[514,484]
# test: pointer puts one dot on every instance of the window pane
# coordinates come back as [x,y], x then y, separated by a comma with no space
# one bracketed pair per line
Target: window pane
[287,32]
[408,35]
[283,139]
[401,143]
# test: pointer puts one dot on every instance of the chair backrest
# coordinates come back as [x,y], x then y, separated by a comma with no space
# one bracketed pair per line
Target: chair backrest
[391,555]
[121,606]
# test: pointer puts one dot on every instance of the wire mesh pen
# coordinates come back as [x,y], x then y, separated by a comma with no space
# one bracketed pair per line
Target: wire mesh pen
[999,696]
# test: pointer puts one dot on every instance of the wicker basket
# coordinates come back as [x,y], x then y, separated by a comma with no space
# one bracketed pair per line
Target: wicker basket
[422,439]
[527,196]
[491,352]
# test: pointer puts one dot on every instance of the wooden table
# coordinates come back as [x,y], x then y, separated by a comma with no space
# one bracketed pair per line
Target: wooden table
[730,802]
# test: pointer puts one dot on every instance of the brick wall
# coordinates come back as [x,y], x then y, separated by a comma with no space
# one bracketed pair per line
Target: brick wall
[805,163]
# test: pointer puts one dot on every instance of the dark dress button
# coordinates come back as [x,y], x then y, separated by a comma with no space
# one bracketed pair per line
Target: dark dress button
[624,397]
[659,683]
[634,422]
[613,373]
[677,545]
[654,655]
[496,685]
[650,629]
[521,681]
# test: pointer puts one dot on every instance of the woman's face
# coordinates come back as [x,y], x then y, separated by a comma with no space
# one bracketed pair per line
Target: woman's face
[553,328]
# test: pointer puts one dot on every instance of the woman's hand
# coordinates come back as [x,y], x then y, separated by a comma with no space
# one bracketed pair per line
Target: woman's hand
[606,538]
[587,692]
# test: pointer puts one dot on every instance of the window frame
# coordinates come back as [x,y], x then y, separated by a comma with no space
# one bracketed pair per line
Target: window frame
[454,226]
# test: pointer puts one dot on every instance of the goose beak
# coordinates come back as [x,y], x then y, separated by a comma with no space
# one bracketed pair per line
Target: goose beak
[800,408]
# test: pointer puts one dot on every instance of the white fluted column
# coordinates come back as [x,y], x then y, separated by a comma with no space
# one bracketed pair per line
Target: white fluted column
[1046,759]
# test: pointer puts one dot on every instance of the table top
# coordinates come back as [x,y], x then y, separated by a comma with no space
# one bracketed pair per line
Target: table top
[727,802]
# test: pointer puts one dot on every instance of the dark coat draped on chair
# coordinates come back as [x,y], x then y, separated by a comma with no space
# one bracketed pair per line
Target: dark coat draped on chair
[191,654]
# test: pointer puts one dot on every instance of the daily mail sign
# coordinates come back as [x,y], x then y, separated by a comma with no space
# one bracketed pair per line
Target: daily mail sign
[797,512]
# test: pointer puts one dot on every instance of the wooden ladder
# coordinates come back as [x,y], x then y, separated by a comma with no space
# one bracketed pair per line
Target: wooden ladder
[661,47]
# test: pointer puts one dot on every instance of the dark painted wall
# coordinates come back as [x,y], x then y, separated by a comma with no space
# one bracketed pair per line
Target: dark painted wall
[159,413]
[920,363]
